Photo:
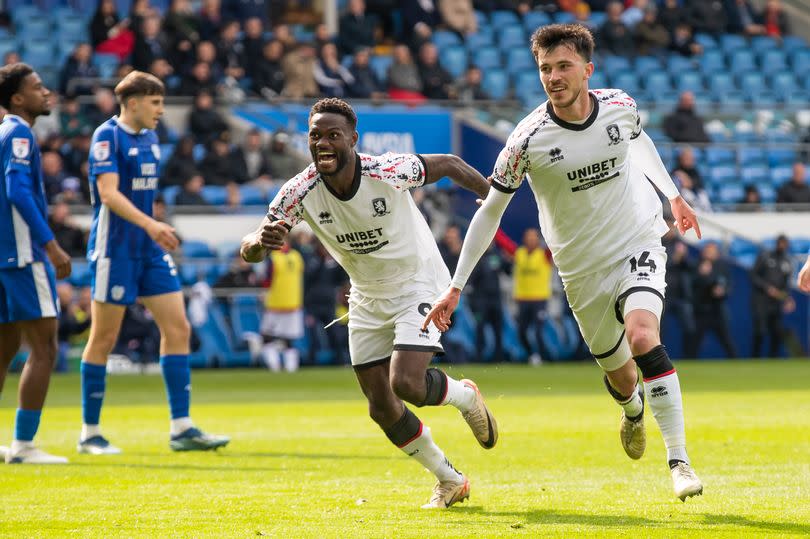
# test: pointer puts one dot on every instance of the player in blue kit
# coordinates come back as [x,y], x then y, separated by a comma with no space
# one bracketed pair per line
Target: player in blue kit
[128,259]
[28,304]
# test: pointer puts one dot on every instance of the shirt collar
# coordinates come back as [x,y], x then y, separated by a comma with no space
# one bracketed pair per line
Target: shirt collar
[18,118]
[127,128]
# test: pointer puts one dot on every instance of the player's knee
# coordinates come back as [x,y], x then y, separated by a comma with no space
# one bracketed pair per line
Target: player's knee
[178,332]
[641,339]
[45,350]
[101,344]
[408,388]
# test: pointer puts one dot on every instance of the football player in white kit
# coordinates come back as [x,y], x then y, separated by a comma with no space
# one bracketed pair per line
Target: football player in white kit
[586,158]
[360,208]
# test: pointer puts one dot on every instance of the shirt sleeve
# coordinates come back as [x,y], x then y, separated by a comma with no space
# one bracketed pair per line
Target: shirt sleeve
[288,205]
[512,165]
[400,170]
[20,192]
[22,148]
[102,153]
[634,134]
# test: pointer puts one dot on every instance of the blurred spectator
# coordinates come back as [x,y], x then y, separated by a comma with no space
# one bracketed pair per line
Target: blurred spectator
[671,15]
[651,36]
[230,52]
[207,53]
[70,237]
[403,75]
[613,36]
[486,301]
[687,165]
[680,275]
[450,247]
[79,65]
[283,163]
[210,19]
[243,10]
[191,194]
[299,72]
[73,320]
[469,88]
[459,16]
[140,10]
[356,28]
[52,174]
[751,200]
[252,160]
[181,163]
[333,79]
[531,291]
[139,338]
[582,15]
[74,156]
[775,20]
[422,33]
[283,33]
[104,107]
[252,45]
[683,42]
[283,321]
[436,82]
[240,274]
[109,34]
[71,119]
[150,44]
[710,294]
[219,167]
[204,121]
[384,11]
[796,190]
[322,278]
[416,11]
[694,196]
[321,37]
[707,16]
[366,84]
[771,276]
[268,77]
[182,29]
[684,124]
[634,13]
[742,19]
[11,57]
[163,70]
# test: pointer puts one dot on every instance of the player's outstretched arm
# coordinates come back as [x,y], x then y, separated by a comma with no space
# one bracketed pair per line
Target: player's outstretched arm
[804,276]
[269,236]
[111,197]
[454,167]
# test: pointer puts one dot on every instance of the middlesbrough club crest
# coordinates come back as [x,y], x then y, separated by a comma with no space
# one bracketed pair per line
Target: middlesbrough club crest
[380,207]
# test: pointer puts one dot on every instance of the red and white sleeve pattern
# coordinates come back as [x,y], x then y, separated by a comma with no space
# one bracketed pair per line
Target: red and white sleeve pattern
[288,203]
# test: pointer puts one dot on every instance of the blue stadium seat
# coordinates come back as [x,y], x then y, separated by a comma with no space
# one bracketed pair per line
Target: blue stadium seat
[502,18]
[245,313]
[716,155]
[689,81]
[614,64]
[49,75]
[527,84]
[535,19]
[712,62]
[773,61]
[799,246]
[731,42]
[380,64]
[598,80]
[740,246]
[563,17]
[751,155]
[741,61]
[783,84]
[707,41]
[454,60]
[7,45]
[251,196]
[793,43]
[487,58]
[627,81]
[511,37]
[473,42]
[678,65]
[657,83]
[752,83]
[197,249]
[22,13]
[777,135]
[647,64]
[80,276]
[106,64]
[800,60]
[597,18]
[72,27]
[767,193]
[445,38]
[170,193]
[730,193]
[780,175]
[216,195]
[754,175]
[798,97]
[481,19]
[39,53]
[781,157]
[495,83]
[721,83]
[722,175]
[763,43]
[35,28]
[520,59]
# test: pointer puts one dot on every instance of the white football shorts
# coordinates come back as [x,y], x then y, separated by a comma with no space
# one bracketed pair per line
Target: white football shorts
[287,325]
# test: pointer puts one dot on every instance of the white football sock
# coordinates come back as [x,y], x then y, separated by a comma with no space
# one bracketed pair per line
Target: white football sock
[664,398]
[291,359]
[88,431]
[19,445]
[427,453]
[459,395]
[271,357]
[633,406]
[181,424]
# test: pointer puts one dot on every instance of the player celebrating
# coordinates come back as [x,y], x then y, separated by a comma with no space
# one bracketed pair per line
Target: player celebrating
[28,304]
[586,157]
[360,208]
[128,259]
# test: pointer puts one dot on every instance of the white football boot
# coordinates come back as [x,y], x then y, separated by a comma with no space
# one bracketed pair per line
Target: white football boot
[685,481]
[447,493]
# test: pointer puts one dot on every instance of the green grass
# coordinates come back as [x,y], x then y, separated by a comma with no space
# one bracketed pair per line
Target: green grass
[304,454]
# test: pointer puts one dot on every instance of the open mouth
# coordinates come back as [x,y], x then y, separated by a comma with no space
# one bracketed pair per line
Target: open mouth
[326,158]
[557,89]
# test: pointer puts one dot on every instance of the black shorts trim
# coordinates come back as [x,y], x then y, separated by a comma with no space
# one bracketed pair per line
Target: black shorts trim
[419,348]
[612,350]
[370,364]
[502,188]
[633,290]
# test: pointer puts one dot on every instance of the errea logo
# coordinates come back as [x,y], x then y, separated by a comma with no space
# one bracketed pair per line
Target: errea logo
[556,155]
[325,218]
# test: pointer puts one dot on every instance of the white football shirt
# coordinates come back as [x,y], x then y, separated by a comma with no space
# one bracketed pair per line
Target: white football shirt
[595,206]
[376,232]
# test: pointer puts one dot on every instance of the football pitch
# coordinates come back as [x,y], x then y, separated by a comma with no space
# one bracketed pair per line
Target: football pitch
[306,461]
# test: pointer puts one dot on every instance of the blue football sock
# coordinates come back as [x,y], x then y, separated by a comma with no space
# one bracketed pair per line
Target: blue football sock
[26,424]
[177,377]
[94,381]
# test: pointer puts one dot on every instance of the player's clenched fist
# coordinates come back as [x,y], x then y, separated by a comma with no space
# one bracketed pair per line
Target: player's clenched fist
[443,309]
[273,234]
[269,236]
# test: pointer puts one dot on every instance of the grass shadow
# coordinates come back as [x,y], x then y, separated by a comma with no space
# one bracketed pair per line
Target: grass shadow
[741,521]
[550,516]
[176,466]
[304,456]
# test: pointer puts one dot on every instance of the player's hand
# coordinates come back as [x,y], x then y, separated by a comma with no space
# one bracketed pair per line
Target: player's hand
[804,276]
[442,309]
[163,235]
[59,258]
[272,235]
[685,217]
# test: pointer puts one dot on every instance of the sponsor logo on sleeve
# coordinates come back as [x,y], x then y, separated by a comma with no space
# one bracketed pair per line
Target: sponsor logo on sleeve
[20,147]
[101,150]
